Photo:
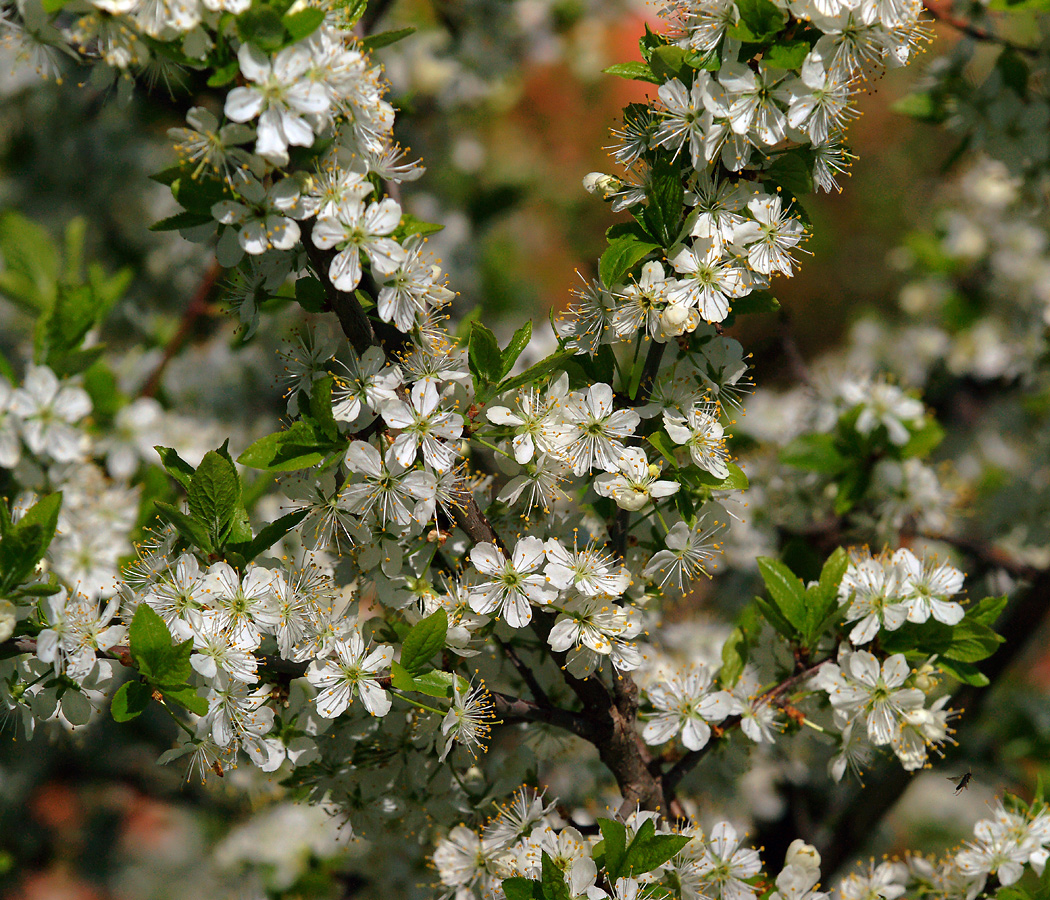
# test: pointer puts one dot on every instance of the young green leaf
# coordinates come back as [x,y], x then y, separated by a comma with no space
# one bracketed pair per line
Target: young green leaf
[386,38]
[26,541]
[552,881]
[518,342]
[130,701]
[175,466]
[614,835]
[786,589]
[620,257]
[189,529]
[215,494]
[425,639]
[483,356]
[635,71]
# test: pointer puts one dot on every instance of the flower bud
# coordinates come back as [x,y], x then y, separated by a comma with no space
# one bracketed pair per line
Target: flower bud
[8,618]
[676,315]
[600,183]
[926,679]
[803,855]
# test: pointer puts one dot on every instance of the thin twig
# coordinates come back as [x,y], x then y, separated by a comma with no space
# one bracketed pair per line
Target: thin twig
[198,307]
[943,14]
[688,762]
[538,693]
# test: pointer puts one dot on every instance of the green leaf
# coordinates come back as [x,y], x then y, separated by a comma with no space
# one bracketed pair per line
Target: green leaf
[755,302]
[667,62]
[988,610]
[411,224]
[814,453]
[923,107]
[793,172]
[31,263]
[833,571]
[272,533]
[760,21]
[923,441]
[635,71]
[185,219]
[734,658]
[401,678]
[736,480]
[967,673]
[298,447]
[552,881]
[483,356]
[662,214]
[130,701]
[187,697]
[303,23]
[65,325]
[25,543]
[851,487]
[351,11]
[214,494]
[518,342]
[436,683]
[649,42]
[786,55]
[321,406]
[426,638]
[620,257]
[157,658]
[786,589]
[664,446]
[310,295]
[775,618]
[175,466]
[649,850]
[262,26]
[537,371]
[1014,71]
[972,642]
[191,531]
[199,195]
[518,888]
[614,835]
[221,76]
[386,38]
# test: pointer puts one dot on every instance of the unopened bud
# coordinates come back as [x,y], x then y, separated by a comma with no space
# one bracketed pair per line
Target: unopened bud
[676,315]
[803,855]
[925,678]
[8,619]
[600,183]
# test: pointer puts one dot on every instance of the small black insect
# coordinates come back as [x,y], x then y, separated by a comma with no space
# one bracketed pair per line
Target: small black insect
[961,782]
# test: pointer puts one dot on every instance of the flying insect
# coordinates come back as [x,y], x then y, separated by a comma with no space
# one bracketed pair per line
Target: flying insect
[961,782]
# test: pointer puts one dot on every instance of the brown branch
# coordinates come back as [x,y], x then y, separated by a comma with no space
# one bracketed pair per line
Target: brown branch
[527,675]
[198,307]
[942,13]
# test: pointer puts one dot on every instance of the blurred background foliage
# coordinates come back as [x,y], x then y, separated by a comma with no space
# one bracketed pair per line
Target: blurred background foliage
[506,103]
